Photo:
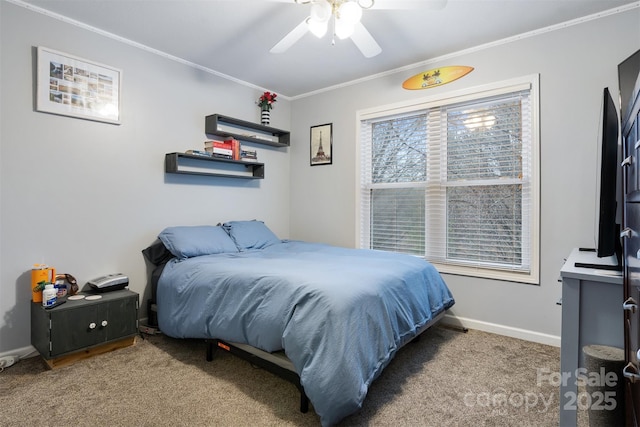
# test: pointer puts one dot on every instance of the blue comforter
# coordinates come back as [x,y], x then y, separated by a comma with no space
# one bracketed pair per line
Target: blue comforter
[339,314]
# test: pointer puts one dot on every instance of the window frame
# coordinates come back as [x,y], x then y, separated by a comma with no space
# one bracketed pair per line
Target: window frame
[529,82]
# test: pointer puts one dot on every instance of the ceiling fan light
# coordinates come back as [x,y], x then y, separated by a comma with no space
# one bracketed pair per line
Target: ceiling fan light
[366,4]
[343,30]
[317,28]
[321,11]
[350,12]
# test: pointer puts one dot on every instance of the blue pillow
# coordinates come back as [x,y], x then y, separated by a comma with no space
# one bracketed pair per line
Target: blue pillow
[250,234]
[191,241]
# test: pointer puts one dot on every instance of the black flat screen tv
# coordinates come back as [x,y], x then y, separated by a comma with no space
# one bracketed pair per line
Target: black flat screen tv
[608,230]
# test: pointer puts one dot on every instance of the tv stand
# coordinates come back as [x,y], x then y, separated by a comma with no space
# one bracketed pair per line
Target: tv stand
[591,314]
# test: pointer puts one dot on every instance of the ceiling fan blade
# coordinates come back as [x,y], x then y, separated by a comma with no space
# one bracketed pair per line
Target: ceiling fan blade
[365,41]
[410,4]
[293,36]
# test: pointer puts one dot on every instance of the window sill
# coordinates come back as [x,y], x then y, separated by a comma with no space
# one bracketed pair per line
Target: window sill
[531,278]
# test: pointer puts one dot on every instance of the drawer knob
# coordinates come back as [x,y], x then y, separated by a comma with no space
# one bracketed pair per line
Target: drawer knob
[630,305]
[104,323]
[631,372]
[627,232]
[92,325]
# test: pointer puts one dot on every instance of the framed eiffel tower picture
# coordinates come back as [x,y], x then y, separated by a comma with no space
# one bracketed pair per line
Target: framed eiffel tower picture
[321,149]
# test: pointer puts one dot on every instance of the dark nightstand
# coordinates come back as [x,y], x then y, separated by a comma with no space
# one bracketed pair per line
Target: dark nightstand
[83,328]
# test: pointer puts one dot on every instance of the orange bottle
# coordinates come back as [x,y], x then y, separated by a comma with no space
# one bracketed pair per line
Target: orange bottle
[39,273]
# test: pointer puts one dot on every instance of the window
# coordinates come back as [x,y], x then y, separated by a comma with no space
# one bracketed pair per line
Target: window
[455,179]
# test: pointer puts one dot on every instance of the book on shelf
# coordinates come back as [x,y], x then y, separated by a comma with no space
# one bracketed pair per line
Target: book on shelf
[222,151]
[249,155]
[263,137]
[199,153]
[215,143]
[228,147]
[235,148]
[205,153]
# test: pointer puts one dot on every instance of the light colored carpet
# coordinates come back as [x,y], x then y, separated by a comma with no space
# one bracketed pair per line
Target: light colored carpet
[447,378]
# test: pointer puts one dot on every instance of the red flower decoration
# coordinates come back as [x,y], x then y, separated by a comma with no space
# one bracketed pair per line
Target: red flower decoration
[265,102]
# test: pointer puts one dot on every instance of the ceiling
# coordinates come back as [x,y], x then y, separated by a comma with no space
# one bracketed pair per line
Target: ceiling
[233,37]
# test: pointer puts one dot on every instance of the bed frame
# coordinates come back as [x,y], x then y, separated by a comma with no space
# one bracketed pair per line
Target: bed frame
[277,362]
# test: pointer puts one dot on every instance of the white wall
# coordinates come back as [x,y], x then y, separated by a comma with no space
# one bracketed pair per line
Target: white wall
[575,64]
[56,173]
[87,197]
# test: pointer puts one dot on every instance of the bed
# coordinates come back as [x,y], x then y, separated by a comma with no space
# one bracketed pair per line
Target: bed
[327,318]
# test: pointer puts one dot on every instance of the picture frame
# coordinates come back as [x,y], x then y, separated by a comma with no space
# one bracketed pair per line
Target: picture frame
[321,145]
[71,86]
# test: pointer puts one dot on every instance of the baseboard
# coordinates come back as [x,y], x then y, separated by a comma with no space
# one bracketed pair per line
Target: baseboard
[508,331]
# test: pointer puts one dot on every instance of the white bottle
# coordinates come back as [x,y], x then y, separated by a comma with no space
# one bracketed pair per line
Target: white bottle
[49,295]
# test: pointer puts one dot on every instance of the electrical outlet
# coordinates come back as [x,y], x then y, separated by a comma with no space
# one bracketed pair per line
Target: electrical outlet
[7,361]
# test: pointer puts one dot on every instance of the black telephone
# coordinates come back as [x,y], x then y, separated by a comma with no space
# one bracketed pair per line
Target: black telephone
[110,282]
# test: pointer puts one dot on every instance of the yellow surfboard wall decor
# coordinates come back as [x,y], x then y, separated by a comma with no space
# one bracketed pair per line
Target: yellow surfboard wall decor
[436,77]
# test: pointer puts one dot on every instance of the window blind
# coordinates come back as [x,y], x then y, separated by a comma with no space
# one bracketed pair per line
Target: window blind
[395,169]
[451,181]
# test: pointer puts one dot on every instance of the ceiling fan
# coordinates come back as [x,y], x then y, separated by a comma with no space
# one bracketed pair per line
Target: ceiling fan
[343,16]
